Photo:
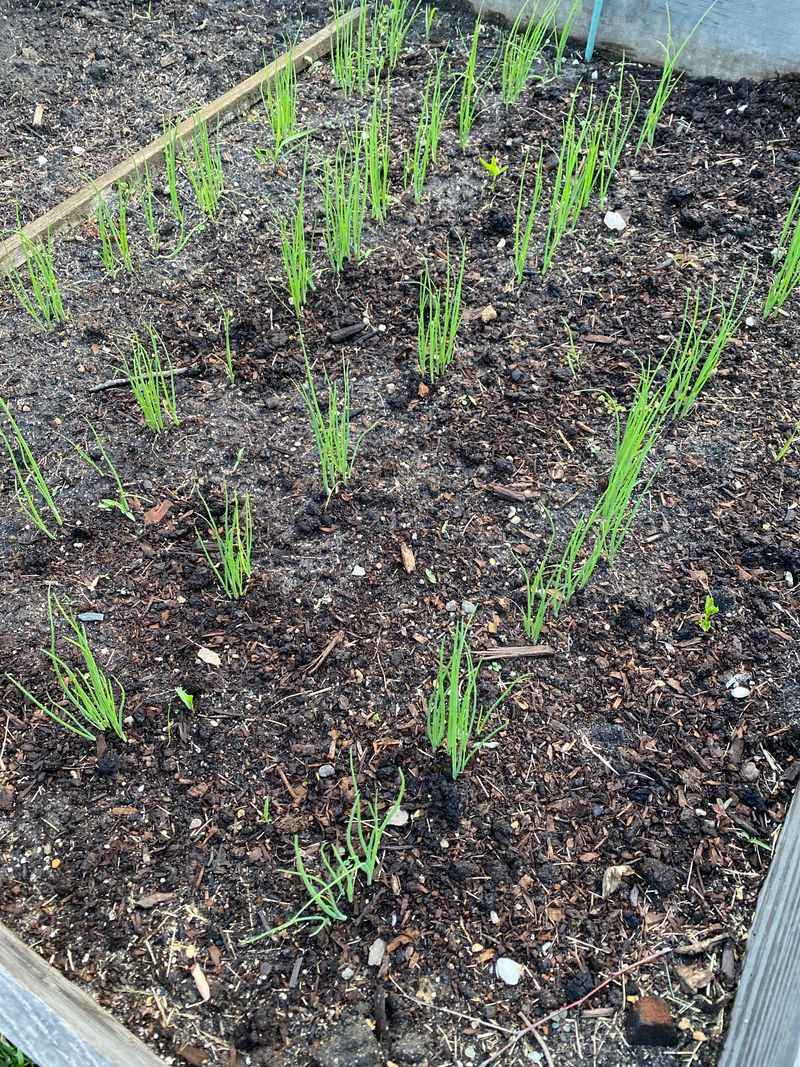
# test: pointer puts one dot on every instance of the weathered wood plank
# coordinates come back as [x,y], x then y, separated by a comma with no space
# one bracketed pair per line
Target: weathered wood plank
[54,1022]
[226,107]
[765,1025]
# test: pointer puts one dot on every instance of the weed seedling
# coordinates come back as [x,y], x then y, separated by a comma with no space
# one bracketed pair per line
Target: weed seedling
[107,470]
[185,698]
[33,493]
[439,318]
[330,428]
[232,542]
[41,296]
[150,375]
[454,721]
[787,256]
[494,168]
[89,699]
[710,609]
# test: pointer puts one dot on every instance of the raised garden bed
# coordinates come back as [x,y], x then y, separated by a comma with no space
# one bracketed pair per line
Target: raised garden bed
[140,869]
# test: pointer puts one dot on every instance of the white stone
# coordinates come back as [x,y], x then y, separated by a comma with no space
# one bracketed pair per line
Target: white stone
[358,572]
[508,970]
[377,951]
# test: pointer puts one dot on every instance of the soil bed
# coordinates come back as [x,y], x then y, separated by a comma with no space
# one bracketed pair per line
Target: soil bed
[135,868]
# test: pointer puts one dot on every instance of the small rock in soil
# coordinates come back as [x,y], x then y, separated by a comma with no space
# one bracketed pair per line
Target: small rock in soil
[659,876]
[508,970]
[649,1022]
[351,1045]
[749,771]
[377,951]
[327,770]
[400,818]
[410,1049]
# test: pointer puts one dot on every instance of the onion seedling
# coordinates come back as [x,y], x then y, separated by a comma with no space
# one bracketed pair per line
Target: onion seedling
[33,493]
[41,296]
[120,502]
[204,167]
[375,146]
[279,96]
[115,249]
[525,217]
[225,317]
[150,376]
[782,451]
[344,195]
[90,701]
[395,18]
[471,89]
[356,54]
[439,318]
[232,541]
[619,121]
[296,253]
[523,46]
[787,255]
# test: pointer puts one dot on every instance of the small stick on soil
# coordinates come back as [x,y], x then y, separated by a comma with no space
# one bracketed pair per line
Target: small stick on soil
[315,664]
[115,383]
[512,651]
[506,493]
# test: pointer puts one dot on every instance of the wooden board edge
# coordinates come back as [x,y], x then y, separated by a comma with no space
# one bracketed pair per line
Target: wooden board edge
[765,1026]
[54,1022]
[80,205]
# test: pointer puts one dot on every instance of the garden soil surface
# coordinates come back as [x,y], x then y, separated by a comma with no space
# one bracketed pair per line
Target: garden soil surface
[141,869]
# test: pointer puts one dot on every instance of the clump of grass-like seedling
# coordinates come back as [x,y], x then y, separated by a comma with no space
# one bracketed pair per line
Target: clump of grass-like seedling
[439,318]
[619,119]
[455,722]
[433,109]
[377,156]
[471,89]
[296,253]
[40,295]
[151,377]
[356,54]
[112,227]
[204,168]
[107,470]
[395,18]
[525,217]
[342,867]
[330,428]
[11,1056]
[344,196]
[523,46]
[232,541]
[787,257]
[33,493]
[89,700]
[225,319]
[279,96]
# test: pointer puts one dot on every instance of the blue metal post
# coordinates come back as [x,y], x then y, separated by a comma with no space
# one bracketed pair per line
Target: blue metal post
[596,13]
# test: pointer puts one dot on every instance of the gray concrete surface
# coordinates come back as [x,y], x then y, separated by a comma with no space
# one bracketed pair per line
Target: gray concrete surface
[737,38]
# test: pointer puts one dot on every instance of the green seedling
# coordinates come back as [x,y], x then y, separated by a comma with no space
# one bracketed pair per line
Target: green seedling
[90,701]
[523,46]
[356,54]
[562,37]
[471,89]
[568,186]
[330,428]
[395,18]
[33,493]
[147,202]
[266,818]
[494,168]
[454,720]
[344,196]
[171,171]
[10,1056]
[296,252]
[203,166]
[225,319]
[430,15]
[107,470]
[572,353]
[232,543]
[710,609]
[668,82]
[343,867]
[787,258]
[425,150]
[619,119]
[39,295]
[377,157]
[537,594]
[279,96]
[782,451]
[185,698]
[439,318]
[115,249]
[151,378]
[525,217]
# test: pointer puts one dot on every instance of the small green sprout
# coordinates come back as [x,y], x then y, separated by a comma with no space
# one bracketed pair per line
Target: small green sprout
[494,168]
[710,609]
[187,699]
[266,818]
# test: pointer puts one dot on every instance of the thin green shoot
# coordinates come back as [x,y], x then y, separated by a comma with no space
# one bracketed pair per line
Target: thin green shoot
[574,177]
[90,701]
[377,155]
[787,256]
[471,89]
[107,470]
[356,54]
[619,122]
[363,847]
[330,428]
[151,377]
[523,46]
[572,353]
[204,168]
[115,249]
[668,82]
[225,319]
[171,171]
[344,196]
[187,699]
[39,295]
[430,15]
[296,252]
[455,722]
[279,96]
[433,111]
[266,818]
[782,451]
[710,609]
[232,543]
[562,37]
[33,493]
[395,18]
[534,612]
[439,318]
[525,216]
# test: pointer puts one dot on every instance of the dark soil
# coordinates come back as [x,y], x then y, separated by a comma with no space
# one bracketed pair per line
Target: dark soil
[138,869]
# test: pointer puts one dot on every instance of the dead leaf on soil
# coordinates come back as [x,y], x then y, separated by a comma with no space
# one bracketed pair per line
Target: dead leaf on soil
[423,390]
[693,978]
[193,1054]
[209,657]
[409,562]
[612,878]
[157,513]
[200,982]
[152,899]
